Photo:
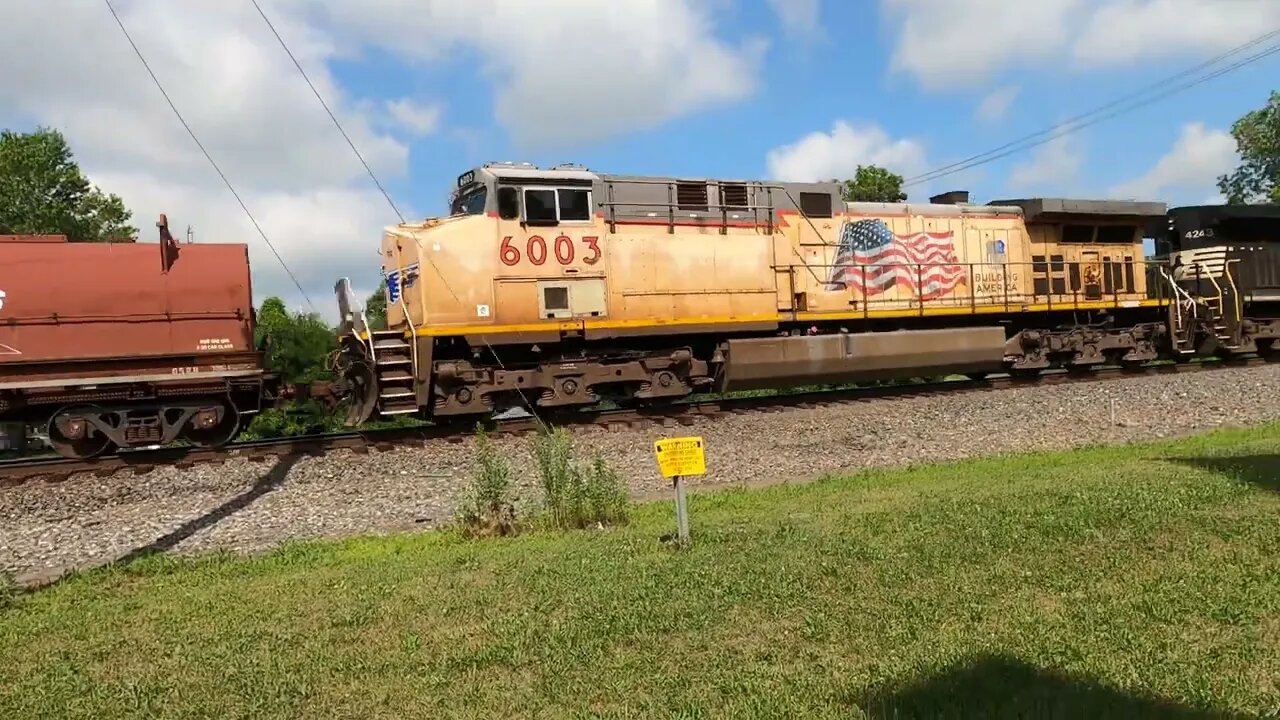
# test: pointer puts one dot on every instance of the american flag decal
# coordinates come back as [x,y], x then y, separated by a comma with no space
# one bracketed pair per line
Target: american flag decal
[872,259]
[394,283]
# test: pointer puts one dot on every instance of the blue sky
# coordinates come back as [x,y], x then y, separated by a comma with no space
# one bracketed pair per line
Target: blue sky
[778,89]
[843,72]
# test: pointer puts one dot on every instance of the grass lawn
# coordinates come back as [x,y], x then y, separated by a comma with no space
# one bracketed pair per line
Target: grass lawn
[1114,582]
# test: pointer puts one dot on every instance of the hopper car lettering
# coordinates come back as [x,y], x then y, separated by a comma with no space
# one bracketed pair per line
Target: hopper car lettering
[698,285]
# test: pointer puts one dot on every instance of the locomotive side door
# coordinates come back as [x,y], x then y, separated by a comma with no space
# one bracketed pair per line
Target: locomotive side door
[1091,270]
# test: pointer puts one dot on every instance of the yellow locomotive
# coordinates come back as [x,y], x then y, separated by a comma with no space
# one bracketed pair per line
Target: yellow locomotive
[560,287]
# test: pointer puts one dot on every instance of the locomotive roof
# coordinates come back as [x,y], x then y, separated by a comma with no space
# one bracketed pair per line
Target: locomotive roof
[1050,209]
[646,191]
[1212,214]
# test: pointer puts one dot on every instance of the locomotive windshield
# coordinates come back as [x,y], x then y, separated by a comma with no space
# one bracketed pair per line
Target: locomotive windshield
[470,203]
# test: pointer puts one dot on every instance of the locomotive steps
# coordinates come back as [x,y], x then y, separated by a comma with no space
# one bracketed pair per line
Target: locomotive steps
[142,461]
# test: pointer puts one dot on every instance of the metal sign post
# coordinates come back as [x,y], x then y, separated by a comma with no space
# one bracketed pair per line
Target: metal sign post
[682,513]
[678,458]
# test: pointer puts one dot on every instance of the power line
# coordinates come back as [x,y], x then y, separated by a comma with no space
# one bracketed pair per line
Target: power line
[325,105]
[1156,85]
[421,254]
[207,156]
[1129,103]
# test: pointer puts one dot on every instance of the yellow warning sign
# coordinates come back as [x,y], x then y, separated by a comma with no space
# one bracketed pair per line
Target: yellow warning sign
[680,456]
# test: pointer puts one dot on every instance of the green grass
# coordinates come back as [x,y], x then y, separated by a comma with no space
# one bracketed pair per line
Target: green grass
[1122,582]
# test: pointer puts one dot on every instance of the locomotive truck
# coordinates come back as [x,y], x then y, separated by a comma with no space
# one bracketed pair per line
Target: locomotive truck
[556,288]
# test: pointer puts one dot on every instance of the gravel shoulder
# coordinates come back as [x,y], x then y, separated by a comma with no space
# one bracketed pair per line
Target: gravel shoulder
[247,506]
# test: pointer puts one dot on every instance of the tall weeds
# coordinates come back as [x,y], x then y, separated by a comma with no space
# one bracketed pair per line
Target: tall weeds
[489,508]
[577,497]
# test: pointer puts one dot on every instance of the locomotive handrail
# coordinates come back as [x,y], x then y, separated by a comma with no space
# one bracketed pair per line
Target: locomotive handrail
[813,227]
[1177,305]
[1238,303]
[404,307]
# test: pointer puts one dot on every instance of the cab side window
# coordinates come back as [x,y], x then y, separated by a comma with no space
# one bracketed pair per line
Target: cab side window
[540,206]
[508,203]
[575,204]
[550,206]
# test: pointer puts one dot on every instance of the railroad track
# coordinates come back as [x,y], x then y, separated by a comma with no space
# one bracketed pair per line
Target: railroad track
[15,472]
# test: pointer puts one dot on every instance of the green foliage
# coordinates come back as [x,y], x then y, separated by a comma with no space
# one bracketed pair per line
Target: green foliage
[296,418]
[488,508]
[1257,134]
[297,344]
[375,310]
[577,497]
[43,191]
[873,184]
[8,591]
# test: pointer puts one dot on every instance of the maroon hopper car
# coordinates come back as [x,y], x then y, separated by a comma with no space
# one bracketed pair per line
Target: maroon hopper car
[117,345]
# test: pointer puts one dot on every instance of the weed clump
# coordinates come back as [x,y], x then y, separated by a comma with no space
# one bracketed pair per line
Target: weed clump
[8,591]
[489,509]
[577,497]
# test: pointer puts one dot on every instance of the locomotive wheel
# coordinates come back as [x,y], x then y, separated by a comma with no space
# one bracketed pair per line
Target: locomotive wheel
[219,434]
[84,441]
[362,393]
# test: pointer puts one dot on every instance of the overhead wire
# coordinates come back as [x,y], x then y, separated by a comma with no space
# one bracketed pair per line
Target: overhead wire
[421,254]
[325,105]
[1128,102]
[207,156]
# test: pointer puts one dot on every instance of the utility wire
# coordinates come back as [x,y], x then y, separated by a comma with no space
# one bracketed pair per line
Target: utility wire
[421,254]
[207,156]
[1129,103]
[325,105]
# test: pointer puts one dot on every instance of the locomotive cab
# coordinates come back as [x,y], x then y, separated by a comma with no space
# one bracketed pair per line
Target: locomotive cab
[1088,250]
[1239,243]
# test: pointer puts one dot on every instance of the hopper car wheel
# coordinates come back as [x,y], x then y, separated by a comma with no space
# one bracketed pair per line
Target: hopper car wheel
[220,433]
[72,437]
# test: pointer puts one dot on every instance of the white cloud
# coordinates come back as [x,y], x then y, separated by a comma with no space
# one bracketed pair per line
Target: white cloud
[566,71]
[996,104]
[946,44]
[1052,168]
[245,101]
[798,17]
[1125,31]
[1189,170]
[416,117]
[837,154]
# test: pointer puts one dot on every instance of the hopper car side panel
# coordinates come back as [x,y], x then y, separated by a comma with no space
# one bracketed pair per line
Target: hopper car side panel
[74,302]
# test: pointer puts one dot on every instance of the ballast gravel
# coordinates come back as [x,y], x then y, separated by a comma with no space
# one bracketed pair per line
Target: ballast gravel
[47,528]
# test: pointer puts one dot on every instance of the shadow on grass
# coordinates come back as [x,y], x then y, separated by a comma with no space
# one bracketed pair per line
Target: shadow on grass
[992,686]
[1261,471]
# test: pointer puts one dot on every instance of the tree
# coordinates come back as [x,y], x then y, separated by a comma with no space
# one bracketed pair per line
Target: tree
[43,191]
[1257,135]
[297,345]
[375,310]
[873,184]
